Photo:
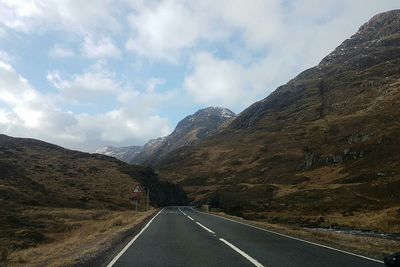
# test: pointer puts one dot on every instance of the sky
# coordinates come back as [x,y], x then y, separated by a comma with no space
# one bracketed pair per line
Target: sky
[85,74]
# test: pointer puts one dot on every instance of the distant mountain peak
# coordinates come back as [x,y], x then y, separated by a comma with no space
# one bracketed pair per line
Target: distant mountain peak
[218,111]
[382,24]
[122,153]
[380,31]
[189,131]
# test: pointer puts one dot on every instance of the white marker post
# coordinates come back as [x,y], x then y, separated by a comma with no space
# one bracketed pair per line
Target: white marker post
[148,198]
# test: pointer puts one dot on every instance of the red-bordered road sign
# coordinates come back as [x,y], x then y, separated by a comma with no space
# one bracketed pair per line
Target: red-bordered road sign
[137,189]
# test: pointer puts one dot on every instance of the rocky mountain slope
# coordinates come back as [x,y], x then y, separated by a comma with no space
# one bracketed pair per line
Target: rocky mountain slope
[125,154]
[188,132]
[38,175]
[148,150]
[322,150]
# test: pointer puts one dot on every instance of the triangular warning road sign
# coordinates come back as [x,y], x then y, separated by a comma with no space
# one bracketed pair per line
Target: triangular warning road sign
[137,189]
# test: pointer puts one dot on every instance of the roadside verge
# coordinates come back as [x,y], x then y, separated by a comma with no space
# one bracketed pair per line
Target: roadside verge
[103,256]
[365,246]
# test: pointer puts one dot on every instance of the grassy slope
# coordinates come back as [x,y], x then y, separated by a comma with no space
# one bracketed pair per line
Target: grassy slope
[322,150]
[38,181]
[73,235]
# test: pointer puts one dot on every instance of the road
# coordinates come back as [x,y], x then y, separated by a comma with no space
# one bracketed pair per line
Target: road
[182,236]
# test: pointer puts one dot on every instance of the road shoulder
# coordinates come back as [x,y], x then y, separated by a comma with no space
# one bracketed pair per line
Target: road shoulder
[371,247]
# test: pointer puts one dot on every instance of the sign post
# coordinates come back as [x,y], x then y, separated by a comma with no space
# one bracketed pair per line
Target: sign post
[137,191]
[148,198]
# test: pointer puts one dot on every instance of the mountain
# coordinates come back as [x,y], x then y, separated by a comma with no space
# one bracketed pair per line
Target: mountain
[125,154]
[37,176]
[321,150]
[148,150]
[188,132]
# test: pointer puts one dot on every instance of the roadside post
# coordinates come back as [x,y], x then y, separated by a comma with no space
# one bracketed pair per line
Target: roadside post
[137,191]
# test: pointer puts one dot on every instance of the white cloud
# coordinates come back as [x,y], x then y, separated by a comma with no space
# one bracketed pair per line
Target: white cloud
[5,57]
[59,52]
[25,111]
[153,83]
[259,23]
[161,30]
[123,126]
[69,15]
[28,113]
[3,32]
[218,82]
[102,48]
[87,87]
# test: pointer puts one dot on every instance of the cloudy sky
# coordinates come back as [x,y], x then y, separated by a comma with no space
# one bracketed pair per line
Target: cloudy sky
[84,74]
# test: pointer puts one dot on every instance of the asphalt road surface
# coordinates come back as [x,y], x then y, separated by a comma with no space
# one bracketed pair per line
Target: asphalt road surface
[182,236]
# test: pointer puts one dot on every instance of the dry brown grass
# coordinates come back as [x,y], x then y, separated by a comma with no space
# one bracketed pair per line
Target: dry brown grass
[323,175]
[80,234]
[368,246]
[386,220]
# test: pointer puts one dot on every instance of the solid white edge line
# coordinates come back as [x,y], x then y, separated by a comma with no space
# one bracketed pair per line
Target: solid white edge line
[190,217]
[241,252]
[133,240]
[295,238]
[206,228]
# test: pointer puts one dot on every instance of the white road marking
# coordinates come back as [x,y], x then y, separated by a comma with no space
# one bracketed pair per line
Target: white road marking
[244,254]
[186,215]
[295,238]
[206,228]
[182,212]
[131,242]
[241,252]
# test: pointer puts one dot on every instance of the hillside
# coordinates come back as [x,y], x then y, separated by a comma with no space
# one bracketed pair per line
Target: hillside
[321,150]
[188,132]
[36,176]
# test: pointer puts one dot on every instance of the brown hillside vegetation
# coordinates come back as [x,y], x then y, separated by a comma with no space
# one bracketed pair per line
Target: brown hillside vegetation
[322,150]
[47,191]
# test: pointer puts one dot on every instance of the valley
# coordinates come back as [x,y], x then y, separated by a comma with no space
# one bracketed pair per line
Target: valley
[309,173]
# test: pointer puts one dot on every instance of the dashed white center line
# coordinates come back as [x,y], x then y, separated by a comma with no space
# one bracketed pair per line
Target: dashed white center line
[241,252]
[205,228]
[238,250]
[182,212]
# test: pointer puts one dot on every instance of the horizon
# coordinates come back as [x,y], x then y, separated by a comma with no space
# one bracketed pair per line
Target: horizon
[105,74]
